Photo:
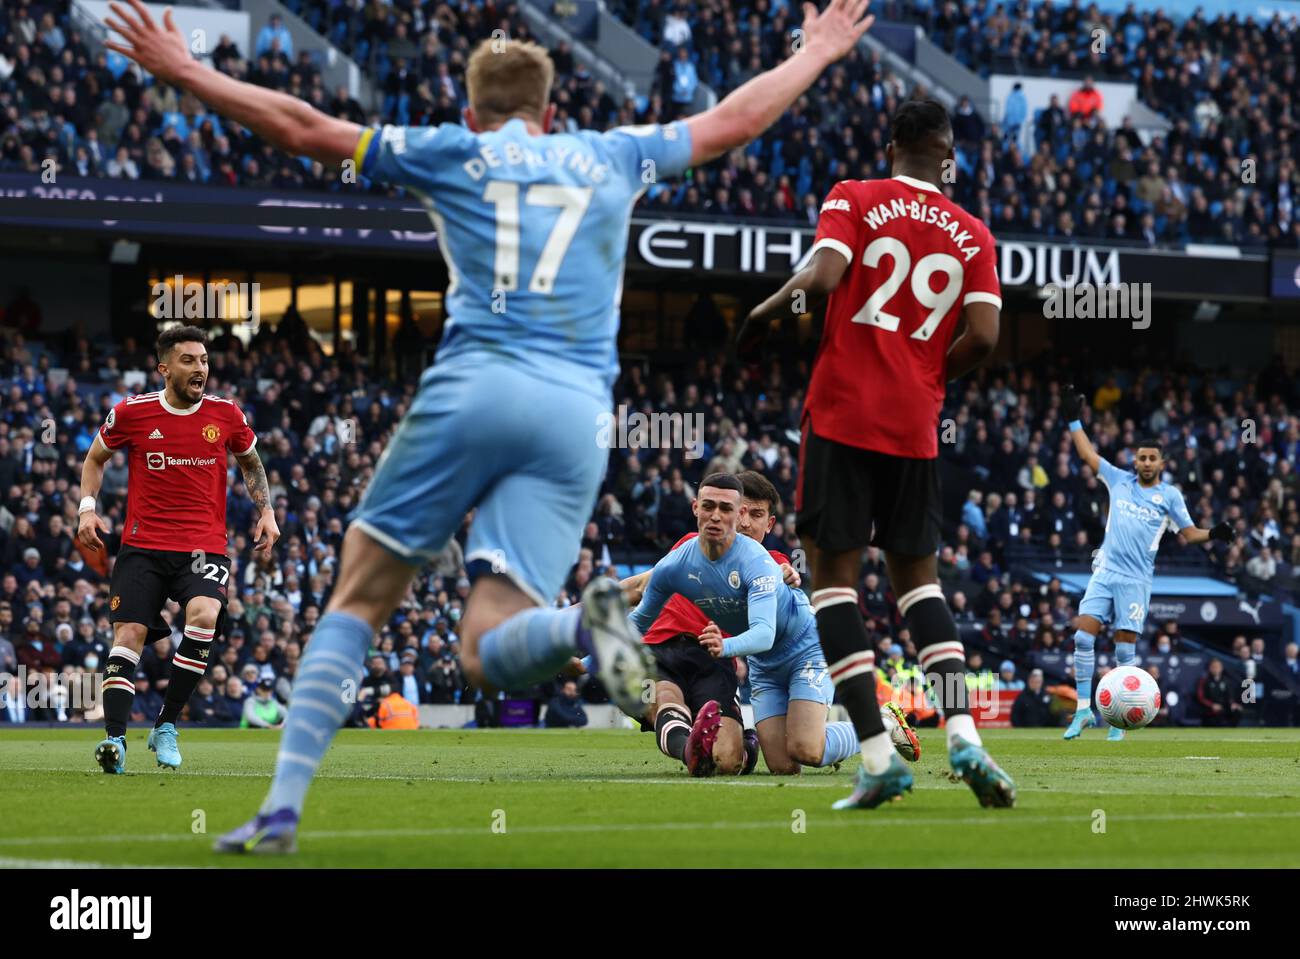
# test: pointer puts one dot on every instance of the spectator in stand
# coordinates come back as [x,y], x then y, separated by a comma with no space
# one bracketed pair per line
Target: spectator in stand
[274,36]
[1215,694]
[565,710]
[685,82]
[1033,707]
[1007,681]
[262,710]
[1086,100]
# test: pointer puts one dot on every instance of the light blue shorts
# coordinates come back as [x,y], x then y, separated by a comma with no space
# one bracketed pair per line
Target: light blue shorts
[520,449]
[801,676]
[1117,602]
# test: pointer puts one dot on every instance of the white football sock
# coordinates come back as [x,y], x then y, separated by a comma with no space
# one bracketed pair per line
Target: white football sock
[962,725]
[876,753]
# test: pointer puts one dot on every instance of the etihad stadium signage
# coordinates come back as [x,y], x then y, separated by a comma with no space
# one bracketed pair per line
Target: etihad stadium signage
[712,246]
[363,224]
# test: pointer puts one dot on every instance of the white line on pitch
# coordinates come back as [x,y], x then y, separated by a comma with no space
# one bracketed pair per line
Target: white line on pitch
[848,821]
[8,862]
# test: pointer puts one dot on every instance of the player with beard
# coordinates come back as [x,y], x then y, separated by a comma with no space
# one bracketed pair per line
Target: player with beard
[174,541]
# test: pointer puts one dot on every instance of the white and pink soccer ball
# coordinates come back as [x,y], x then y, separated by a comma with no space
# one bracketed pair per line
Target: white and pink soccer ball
[1128,697]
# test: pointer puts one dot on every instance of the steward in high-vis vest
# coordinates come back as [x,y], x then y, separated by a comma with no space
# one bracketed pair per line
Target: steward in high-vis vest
[396,712]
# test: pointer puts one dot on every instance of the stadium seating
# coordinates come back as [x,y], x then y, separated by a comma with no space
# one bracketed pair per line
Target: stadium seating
[1081,181]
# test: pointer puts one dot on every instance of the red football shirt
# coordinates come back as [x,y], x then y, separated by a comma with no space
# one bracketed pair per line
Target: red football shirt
[176,491]
[680,615]
[915,259]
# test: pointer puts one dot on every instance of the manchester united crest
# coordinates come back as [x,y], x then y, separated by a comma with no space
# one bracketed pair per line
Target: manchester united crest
[212,432]
[116,602]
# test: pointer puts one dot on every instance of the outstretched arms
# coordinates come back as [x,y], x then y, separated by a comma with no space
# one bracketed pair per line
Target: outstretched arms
[753,107]
[283,120]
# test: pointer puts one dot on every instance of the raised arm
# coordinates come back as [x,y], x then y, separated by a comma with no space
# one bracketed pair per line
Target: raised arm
[750,109]
[1072,407]
[282,120]
[92,481]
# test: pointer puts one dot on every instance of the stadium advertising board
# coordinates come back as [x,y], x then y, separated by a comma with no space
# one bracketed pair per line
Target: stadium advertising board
[1231,613]
[775,250]
[366,224]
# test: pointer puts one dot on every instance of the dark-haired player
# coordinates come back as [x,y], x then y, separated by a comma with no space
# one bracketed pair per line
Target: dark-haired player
[737,584]
[174,541]
[1142,507]
[905,269]
[696,715]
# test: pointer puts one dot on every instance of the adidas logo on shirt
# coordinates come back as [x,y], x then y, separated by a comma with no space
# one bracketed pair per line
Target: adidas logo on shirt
[156,435]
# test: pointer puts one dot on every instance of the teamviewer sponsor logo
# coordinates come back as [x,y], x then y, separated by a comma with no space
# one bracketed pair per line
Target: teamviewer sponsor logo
[76,913]
[158,461]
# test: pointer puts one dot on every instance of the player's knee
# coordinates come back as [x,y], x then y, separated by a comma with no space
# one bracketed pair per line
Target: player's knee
[203,616]
[130,635]
[805,751]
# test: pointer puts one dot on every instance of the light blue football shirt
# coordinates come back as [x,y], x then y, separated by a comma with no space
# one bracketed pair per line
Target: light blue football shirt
[534,230]
[1137,520]
[741,591]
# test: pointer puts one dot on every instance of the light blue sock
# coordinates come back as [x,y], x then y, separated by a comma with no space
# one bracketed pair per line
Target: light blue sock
[1084,662]
[324,692]
[841,743]
[1125,653]
[530,646]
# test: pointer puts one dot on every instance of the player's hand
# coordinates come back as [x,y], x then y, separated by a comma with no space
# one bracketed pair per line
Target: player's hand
[1223,533]
[574,669]
[791,576]
[711,639]
[750,339]
[88,528]
[160,50]
[832,33]
[1072,403]
[265,533]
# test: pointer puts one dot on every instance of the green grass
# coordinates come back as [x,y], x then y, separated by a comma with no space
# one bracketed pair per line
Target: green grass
[1171,798]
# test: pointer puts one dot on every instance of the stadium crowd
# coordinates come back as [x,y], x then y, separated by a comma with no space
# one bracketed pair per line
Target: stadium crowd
[1227,87]
[1232,446]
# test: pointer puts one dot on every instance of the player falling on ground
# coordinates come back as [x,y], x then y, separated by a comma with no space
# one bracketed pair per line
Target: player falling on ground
[695,713]
[738,585]
[534,230]
[1142,507]
[174,541]
[697,690]
[903,267]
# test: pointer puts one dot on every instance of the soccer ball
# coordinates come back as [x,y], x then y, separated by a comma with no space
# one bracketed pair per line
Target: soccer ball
[1128,697]
[898,736]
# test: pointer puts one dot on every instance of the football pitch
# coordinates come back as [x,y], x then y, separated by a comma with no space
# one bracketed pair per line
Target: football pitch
[466,798]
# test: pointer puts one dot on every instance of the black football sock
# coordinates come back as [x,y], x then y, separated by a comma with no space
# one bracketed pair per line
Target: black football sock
[189,663]
[847,648]
[118,689]
[672,729]
[942,656]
